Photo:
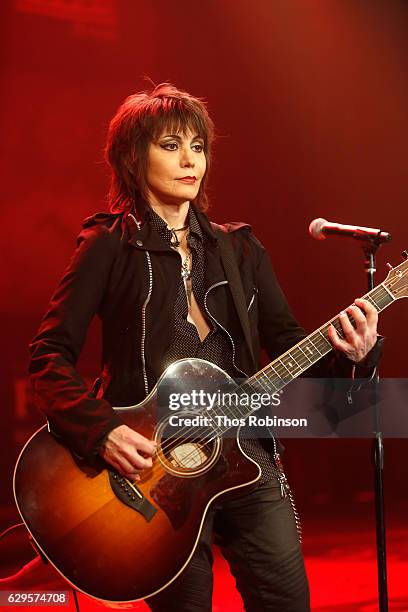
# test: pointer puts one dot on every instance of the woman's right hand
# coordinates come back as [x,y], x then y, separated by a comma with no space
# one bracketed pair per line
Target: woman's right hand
[128,451]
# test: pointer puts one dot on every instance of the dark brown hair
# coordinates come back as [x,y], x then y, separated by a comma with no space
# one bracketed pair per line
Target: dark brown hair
[140,120]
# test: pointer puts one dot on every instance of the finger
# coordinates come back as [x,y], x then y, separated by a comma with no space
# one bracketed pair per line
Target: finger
[148,462]
[134,477]
[337,342]
[144,445]
[137,461]
[127,466]
[120,468]
[359,318]
[347,327]
[369,310]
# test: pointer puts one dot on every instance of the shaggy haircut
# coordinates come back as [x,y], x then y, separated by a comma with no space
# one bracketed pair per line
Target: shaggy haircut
[140,120]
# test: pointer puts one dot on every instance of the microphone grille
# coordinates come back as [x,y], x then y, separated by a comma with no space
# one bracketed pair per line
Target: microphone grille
[316,228]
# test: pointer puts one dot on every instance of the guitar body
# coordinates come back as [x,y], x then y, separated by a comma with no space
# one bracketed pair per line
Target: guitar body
[121,541]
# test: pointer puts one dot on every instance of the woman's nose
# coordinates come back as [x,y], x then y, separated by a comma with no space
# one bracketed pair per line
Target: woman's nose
[187,158]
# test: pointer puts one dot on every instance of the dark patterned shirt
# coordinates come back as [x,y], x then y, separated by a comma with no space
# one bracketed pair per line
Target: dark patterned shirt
[216,346]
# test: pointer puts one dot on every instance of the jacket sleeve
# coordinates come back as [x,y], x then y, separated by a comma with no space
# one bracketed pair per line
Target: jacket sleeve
[74,415]
[279,329]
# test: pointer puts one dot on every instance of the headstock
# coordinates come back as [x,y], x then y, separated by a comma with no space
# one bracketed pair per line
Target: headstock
[397,280]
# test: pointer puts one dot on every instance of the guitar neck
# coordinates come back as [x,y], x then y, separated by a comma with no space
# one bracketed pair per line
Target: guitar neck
[310,350]
[280,372]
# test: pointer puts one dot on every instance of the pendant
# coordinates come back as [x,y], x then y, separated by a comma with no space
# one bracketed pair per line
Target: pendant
[185,270]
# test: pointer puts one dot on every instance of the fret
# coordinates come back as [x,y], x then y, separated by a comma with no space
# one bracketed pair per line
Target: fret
[282,371]
[301,359]
[273,376]
[373,302]
[234,409]
[248,384]
[326,342]
[291,365]
[308,358]
[281,362]
[337,325]
[275,371]
[260,381]
[241,411]
[260,385]
[314,345]
[312,353]
[321,342]
[388,298]
[270,381]
[291,354]
[265,381]
[382,299]
[376,295]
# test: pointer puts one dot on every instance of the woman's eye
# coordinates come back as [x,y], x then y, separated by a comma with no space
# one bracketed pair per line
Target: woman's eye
[173,146]
[169,146]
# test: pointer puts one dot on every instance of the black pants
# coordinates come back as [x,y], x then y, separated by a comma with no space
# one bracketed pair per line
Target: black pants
[257,535]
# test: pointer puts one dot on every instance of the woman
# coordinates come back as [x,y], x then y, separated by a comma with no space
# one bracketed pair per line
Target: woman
[152,270]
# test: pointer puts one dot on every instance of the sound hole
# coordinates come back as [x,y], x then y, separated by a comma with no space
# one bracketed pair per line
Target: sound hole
[186,450]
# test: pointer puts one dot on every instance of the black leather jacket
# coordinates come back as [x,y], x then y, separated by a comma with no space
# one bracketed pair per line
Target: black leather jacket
[124,272]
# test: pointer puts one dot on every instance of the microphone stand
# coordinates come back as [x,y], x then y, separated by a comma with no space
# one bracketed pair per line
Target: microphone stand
[370,248]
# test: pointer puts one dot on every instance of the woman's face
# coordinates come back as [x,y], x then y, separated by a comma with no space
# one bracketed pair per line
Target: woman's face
[175,166]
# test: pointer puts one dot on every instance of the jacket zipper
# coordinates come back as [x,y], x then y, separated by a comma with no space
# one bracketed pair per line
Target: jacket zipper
[144,307]
[219,324]
[252,299]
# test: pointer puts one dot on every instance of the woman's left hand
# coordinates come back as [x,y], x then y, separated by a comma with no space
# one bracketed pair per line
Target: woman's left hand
[359,340]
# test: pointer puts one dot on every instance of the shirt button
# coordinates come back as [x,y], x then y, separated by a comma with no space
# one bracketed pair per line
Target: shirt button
[139,242]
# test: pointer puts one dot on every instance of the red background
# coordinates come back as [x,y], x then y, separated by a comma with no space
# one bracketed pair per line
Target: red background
[310,103]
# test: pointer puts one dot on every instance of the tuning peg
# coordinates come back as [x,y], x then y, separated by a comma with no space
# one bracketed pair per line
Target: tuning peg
[404,254]
[389,266]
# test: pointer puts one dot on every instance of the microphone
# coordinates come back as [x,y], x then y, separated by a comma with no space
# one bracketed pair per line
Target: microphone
[320,228]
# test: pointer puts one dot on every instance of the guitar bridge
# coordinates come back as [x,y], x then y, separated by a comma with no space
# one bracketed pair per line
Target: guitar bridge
[129,494]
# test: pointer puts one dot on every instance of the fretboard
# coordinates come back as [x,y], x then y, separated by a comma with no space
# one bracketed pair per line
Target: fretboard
[311,349]
[280,372]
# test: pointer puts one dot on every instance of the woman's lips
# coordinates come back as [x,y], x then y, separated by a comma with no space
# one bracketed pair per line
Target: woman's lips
[190,180]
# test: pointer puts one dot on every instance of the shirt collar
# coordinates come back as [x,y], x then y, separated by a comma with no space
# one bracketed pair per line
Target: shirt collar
[160,225]
[144,235]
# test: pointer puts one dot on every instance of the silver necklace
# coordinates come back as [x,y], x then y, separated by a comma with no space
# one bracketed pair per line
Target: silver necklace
[185,261]
[185,267]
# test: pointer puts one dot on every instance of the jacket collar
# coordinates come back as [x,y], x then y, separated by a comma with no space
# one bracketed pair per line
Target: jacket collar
[144,236]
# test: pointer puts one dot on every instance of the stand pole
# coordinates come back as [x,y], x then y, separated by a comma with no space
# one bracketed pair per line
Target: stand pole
[378,459]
